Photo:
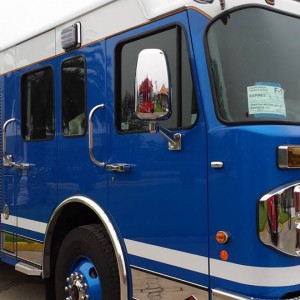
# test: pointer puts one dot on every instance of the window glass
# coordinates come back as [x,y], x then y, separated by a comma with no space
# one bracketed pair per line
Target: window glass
[253,55]
[73,96]
[37,105]
[173,43]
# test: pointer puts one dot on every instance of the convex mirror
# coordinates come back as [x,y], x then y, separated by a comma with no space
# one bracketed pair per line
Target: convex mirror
[152,86]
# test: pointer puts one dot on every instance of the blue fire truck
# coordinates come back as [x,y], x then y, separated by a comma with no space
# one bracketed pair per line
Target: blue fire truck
[151,150]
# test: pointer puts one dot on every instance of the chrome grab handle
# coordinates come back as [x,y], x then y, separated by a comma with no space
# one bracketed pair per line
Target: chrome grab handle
[91,137]
[118,167]
[7,158]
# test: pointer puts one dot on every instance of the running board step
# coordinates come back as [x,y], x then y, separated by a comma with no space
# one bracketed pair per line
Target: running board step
[28,269]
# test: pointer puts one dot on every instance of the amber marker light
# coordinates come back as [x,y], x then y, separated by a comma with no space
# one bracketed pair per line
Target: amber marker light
[222,237]
[288,156]
[224,255]
[294,157]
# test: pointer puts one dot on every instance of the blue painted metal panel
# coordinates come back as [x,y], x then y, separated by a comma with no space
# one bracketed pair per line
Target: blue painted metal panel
[32,193]
[10,92]
[162,201]
[38,184]
[250,171]
[79,175]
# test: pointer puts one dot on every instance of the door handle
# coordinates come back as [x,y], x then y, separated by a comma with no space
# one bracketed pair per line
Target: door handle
[118,167]
[7,158]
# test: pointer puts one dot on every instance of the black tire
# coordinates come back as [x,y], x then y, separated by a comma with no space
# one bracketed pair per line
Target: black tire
[89,242]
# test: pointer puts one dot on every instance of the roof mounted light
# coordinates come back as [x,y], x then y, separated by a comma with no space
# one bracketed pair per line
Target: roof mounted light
[271,2]
[222,2]
[71,37]
[204,1]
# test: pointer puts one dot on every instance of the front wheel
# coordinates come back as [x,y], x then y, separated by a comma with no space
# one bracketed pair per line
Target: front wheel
[86,266]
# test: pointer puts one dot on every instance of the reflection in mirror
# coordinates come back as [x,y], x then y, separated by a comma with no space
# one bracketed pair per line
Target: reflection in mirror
[279,219]
[152,86]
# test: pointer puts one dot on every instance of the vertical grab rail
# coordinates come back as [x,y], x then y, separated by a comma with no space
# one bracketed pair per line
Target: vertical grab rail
[91,137]
[6,160]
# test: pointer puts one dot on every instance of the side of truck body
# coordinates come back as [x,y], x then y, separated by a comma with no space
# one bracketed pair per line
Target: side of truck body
[100,206]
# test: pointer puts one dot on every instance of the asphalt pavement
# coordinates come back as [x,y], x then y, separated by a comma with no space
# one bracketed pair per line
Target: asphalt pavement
[17,286]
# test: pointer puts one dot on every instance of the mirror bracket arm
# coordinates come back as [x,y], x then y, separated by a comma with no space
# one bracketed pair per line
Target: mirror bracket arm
[174,140]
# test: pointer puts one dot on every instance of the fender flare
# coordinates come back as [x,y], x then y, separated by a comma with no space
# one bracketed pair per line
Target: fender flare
[103,217]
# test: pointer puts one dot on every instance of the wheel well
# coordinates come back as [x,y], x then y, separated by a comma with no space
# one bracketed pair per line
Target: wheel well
[71,213]
[71,216]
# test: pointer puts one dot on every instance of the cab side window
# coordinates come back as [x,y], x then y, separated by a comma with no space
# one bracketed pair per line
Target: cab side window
[37,105]
[73,96]
[173,43]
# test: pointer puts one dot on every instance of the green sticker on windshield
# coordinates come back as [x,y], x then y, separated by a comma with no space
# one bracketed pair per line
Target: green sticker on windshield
[266,101]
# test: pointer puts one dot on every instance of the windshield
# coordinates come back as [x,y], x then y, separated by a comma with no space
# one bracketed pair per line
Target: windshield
[254,55]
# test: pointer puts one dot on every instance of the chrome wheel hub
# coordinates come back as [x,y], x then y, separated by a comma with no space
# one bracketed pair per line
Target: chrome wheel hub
[77,287]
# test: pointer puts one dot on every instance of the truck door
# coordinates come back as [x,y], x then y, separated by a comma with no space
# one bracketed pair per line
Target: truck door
[157,193]
[82,89]
[29,155]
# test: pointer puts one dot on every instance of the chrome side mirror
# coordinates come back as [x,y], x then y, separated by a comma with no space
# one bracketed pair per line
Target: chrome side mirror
[153,93]
[152,86]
